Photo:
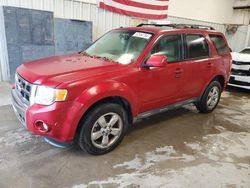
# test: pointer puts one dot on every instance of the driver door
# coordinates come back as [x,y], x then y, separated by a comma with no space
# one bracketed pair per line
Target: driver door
[160,86]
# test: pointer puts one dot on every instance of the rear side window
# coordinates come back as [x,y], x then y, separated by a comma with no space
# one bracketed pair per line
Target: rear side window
[219,44]
[196,46]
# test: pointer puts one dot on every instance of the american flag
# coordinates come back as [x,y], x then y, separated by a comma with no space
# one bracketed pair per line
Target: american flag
[150,9]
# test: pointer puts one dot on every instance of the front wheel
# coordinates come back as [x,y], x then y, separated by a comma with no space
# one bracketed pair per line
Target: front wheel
[103,129]
[210,98]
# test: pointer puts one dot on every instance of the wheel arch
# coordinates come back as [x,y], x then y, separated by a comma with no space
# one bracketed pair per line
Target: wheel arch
[220,78]
[124,103]
[107,92]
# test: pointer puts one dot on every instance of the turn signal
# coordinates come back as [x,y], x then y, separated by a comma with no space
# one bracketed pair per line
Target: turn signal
[61,94]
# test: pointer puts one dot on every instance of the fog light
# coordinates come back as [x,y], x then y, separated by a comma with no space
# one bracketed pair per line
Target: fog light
[41,126]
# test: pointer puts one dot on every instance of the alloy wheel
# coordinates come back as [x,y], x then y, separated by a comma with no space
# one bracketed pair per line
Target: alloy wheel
[213,97]
[106,130]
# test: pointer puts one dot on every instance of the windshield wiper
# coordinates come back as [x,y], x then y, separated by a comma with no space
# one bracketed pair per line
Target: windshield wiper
[108,59]
[98,57]
[85,53]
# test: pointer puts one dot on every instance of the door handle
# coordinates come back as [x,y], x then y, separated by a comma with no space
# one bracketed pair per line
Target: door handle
[178,72]
[209,65]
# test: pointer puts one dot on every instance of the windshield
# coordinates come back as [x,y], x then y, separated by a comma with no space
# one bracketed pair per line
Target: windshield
[122,46]
[246,51]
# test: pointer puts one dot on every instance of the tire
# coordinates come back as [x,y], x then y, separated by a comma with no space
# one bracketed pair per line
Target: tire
[210,98]
[103,129]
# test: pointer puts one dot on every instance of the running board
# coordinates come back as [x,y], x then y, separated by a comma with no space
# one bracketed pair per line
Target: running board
[166,108]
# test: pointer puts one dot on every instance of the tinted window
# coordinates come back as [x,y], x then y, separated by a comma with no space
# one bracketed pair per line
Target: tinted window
[219,44]
[170,46]
[196,46]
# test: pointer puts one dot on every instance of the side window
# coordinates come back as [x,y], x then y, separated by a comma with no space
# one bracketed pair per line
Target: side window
[196,46]
[219,44]
[170,46]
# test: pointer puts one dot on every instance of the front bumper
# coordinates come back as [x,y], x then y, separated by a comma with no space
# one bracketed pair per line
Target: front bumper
[61,117]
[239,81]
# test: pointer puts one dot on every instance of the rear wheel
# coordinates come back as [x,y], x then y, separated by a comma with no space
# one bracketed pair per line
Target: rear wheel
[210,98]
[103,129]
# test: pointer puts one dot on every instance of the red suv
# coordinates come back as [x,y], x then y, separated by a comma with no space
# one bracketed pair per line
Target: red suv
[93,96]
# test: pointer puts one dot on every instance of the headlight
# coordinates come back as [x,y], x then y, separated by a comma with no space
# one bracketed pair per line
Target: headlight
[47,95]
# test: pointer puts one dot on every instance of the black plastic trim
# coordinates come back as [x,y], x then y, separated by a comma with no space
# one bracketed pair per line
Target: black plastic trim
[167,108]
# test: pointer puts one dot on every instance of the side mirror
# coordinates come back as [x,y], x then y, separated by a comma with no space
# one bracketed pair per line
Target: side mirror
[156,61]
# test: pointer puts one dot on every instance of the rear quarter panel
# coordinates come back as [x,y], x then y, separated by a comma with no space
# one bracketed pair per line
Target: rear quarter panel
[221,63]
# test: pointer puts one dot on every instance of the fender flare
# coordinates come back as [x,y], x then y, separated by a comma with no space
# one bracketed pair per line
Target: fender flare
[107,89]
[214,78]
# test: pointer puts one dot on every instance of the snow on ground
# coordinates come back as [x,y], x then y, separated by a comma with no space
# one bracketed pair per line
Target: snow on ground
[207,176]
[223,170]
[217,160]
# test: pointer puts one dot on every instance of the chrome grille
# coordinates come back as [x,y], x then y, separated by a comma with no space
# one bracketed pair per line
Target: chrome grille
[23,89]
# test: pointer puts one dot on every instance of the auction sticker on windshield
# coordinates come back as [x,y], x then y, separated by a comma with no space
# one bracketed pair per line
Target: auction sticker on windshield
[142,35]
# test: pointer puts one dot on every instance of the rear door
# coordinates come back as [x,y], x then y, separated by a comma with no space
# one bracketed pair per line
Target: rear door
[197,64]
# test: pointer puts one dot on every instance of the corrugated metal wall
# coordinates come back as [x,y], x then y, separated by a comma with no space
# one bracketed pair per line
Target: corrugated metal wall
[218,27]
[102,20]
[240,39]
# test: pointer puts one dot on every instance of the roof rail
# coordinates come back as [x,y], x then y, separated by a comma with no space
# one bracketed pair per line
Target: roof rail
[194,26]
[179,26]
[157,25]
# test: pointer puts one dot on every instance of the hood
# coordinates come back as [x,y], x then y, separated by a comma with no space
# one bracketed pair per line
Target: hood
[59,69]
[240,57]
